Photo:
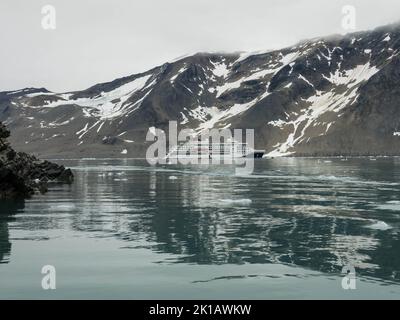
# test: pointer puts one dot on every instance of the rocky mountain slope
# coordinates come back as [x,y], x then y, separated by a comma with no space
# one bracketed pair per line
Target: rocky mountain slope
[21,175]
[338,95]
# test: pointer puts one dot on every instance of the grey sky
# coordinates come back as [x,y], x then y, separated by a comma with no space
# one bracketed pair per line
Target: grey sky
[99,40]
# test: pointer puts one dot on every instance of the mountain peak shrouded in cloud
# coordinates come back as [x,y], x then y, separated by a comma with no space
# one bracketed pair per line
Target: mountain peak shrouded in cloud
[326,96]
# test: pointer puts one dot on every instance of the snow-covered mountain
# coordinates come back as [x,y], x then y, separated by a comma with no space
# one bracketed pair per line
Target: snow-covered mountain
[338,95]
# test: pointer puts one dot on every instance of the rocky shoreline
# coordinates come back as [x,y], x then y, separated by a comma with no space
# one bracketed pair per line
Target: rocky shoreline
[22,175]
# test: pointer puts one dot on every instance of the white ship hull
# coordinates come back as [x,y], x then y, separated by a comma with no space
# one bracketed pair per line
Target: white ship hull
[204,151]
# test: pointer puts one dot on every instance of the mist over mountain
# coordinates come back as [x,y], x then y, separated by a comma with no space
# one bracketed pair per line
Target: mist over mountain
[337,95]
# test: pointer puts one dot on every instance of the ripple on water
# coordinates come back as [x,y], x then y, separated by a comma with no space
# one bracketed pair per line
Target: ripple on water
[389,205]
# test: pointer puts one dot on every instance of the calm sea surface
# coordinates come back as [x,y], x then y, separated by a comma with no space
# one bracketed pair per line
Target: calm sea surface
[125,229]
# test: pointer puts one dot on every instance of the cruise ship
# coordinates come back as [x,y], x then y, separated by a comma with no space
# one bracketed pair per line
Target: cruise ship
[206,149]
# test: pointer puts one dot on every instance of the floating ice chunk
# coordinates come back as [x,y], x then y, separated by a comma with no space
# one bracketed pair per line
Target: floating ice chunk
[172,178]
[124,151]
[240,202]
[62,207]
[379,225]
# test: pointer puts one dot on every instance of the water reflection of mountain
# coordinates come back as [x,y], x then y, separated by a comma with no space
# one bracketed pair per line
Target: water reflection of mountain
[318,223]
[300,212]
[7,211]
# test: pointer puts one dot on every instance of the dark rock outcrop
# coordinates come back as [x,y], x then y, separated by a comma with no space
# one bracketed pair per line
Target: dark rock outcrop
[22,175]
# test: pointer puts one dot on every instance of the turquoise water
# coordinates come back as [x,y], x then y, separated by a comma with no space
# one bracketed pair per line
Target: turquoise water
[128,230]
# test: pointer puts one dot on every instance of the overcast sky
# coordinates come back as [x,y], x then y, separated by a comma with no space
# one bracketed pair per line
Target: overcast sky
[98,40]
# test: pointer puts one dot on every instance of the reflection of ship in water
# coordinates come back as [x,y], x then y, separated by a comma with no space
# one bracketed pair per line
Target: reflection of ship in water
[219,151]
